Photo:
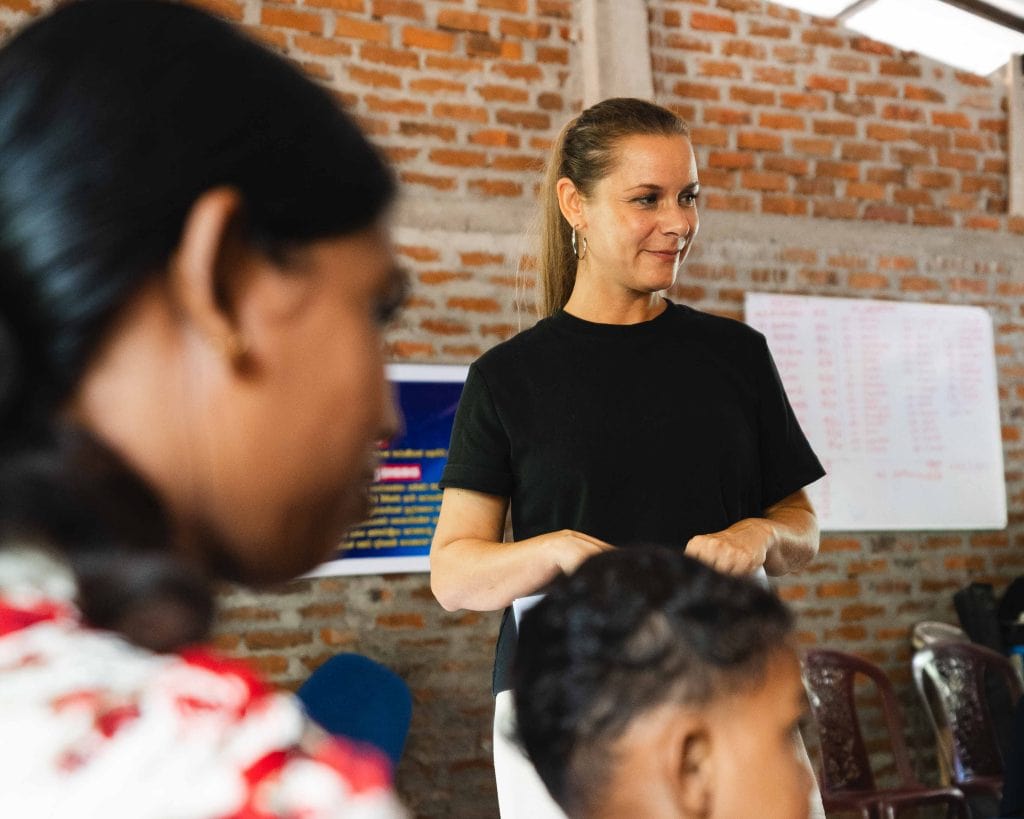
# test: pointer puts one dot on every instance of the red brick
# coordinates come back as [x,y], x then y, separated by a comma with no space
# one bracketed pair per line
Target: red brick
[528,30]
[376,79]
[524,119]
[770,75]
[751,96]
[376,53]
[847,588]
[838,170]
[868,281]
[692,90]
[710,137]
[849,64]
[782,122]
[922,94]
[762,181]
[427,129]
[794,54]
[458,20]
[835,127]
[361,29]
[503,93]
[457,158]
[495,138]
[870,46]
[822,37]
[730,160]
[814,147]
[701,21]
[818,82]
[835,210]
[741,48]
[803,102]
[443,183]
[886,213]
[865,190]
[414,37]
[951,119]
[719,68]
[775,32]
[481,258]
[887,133]
[496,187]
[321,47]
[876,89]
[860,611]
[463,113]
[436,85]
[784,205]
[292,19]
[786,164]
[518,6]
[898,68]
[418,252]
[759,141]
[410,9]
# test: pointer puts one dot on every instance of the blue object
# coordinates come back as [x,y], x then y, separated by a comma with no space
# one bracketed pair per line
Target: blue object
[358,698]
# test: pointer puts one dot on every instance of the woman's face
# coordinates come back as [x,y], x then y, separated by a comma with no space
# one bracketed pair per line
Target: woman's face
[293,441]
[641,219]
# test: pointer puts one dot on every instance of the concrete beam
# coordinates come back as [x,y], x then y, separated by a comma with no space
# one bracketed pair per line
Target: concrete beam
[1015,100]
[615,50]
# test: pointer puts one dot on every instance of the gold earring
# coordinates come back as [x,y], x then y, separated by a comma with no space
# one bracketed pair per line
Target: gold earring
[234,347]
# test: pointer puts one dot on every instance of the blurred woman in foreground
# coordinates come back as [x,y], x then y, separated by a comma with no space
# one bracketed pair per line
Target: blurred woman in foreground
[194,276]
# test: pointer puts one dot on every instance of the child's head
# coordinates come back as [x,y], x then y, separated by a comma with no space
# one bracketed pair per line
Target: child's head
[648,684]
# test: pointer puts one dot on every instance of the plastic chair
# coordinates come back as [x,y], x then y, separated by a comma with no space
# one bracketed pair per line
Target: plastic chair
[951,679]
[355,697]
[930,632]
[847,780]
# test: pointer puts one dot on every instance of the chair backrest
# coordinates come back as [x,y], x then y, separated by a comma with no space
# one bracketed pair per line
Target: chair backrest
[845,764]
[353,696]
[930,632]
[959,675]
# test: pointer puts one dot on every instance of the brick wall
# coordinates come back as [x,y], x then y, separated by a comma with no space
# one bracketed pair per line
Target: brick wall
[832,165]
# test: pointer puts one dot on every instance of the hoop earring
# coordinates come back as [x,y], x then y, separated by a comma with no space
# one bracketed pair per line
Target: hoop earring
[575,250]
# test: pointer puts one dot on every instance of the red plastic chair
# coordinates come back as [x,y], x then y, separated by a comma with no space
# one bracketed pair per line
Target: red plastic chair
[847,780]
[951,680]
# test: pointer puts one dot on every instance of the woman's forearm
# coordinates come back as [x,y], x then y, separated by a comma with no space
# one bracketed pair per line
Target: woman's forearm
[794,534]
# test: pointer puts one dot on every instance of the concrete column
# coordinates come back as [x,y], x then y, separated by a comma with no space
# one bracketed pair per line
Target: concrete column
[1015,100]
[615,50]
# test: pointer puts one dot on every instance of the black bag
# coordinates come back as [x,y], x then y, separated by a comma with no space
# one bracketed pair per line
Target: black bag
[976,607]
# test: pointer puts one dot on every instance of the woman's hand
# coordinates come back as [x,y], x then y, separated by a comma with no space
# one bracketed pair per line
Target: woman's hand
[783,541]
[740,549]
[571,548]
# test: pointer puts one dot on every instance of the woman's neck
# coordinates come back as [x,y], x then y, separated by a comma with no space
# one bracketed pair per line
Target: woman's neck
[614,306]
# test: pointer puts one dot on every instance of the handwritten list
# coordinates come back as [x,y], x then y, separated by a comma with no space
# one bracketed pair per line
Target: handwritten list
[899,402]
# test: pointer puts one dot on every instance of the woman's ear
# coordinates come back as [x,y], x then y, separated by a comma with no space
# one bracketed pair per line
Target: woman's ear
[694,765]
[209,258]
[570,203]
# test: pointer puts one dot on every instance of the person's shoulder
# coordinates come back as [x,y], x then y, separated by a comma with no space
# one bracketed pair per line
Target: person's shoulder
[717,329]
[512,351]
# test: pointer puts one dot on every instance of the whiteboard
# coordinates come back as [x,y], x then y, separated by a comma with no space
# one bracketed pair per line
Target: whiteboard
[900,403]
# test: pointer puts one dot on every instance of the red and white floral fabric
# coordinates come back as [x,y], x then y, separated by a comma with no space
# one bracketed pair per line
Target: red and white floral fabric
[91,726]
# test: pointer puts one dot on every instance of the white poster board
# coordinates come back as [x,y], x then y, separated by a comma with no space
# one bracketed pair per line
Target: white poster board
[899,401]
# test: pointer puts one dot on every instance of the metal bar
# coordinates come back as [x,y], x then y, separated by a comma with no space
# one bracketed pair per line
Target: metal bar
[993,14]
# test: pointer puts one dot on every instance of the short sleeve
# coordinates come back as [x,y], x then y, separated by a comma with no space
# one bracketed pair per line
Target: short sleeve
[787,461]
[479,455]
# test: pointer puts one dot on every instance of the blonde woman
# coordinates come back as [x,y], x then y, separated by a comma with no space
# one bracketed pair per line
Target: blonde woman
[620,417]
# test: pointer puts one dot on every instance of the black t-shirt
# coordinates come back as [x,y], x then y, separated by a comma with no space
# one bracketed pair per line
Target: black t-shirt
[641,433]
